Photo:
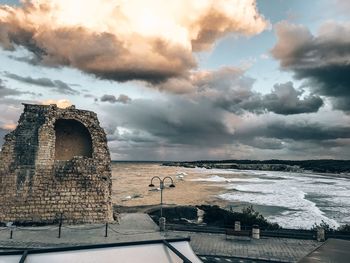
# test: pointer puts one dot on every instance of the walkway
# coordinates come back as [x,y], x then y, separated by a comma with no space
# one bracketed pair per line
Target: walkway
[137,227]
[132,227]
[271,249]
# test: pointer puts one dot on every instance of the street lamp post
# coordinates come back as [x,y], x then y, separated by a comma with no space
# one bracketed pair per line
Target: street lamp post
[161,186]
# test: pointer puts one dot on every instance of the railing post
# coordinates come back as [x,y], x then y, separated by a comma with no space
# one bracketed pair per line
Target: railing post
[321,234]
[106,230]
[256,232]
[162,221]
[11,226]
[237,226]
[60,226]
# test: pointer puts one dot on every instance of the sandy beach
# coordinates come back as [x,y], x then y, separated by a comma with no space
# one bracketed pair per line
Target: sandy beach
[130,186]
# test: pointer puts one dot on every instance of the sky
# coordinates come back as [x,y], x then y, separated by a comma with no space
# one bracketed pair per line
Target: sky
[187,79]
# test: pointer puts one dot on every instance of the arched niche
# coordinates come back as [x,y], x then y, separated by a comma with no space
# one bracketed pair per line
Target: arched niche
[72,139]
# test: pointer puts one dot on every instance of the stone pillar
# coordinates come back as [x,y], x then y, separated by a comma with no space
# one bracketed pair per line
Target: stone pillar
[321,234]
[256,232]
[162,223]
[237,226]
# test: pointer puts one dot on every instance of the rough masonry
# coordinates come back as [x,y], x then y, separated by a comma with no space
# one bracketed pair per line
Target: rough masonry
[56,162]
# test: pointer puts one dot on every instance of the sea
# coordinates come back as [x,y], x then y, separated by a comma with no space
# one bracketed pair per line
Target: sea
[293,200]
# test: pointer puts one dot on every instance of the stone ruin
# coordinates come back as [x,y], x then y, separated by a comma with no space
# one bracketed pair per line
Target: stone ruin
[56,162]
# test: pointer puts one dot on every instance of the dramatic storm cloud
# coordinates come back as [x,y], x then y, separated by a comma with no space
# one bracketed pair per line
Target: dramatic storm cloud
[285,99]
[222,112]
[175,120]
[229,88]
[323,60]
[199,79]
[298,131]
[124,40]
[179,125]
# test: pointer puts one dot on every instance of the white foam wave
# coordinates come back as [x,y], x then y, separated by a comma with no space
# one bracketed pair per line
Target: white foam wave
[303,196]
[307,198]
[301,213]
[219,179]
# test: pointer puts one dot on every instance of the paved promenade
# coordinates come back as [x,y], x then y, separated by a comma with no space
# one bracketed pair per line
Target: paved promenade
[272,249]
[132,227]
[136,227]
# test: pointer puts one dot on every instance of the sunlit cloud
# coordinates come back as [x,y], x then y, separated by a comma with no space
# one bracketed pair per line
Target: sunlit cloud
[63,103]
[9,126]
[125,40]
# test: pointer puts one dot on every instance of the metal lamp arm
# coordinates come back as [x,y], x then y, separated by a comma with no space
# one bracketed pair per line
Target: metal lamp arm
[168,177]
[156,177]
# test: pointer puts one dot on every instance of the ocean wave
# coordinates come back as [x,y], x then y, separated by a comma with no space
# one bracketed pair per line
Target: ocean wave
[220,179]
[292,193]
[299,213]
[308,199]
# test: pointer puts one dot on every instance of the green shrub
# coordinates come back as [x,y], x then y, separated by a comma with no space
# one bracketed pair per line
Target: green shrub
[328,228]
[344,228]
[323,225]
[216,216]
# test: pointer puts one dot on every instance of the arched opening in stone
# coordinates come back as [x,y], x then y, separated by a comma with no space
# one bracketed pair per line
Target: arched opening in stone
[72,139]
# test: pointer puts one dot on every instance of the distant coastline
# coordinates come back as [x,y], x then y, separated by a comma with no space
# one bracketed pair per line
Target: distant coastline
[315,166]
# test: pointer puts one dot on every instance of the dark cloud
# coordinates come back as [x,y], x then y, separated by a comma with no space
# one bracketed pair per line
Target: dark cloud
[89,96]
[212,118]
[177,125]
[230,89]
[297,131]
[124,99]
[215,118]
[285,99]
[31,59]
[4,91]
[109,98]
[176,121]
[166,130]
[56,85]
[308,131]
[322,60]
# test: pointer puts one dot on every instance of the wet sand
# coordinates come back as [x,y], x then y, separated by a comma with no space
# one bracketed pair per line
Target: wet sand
[132,180]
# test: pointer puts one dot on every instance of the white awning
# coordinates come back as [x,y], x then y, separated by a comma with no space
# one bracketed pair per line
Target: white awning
[136,253]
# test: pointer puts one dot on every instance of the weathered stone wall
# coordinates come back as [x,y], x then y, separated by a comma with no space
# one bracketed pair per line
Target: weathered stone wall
[56,161]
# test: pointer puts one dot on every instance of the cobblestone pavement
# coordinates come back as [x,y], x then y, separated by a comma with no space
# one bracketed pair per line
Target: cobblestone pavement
[136,227]
[271,249]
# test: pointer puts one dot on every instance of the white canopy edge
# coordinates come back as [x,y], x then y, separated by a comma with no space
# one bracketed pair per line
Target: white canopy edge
[133,253]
